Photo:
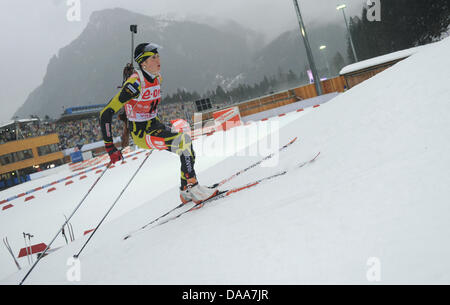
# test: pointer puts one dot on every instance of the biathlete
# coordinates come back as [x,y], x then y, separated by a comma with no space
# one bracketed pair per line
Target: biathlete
[140,96]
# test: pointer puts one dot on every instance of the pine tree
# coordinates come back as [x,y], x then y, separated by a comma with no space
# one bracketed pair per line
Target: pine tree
[404,24]
[220,94]
[338,63]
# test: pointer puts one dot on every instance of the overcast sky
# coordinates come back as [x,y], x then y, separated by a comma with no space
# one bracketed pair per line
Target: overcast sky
[32,31]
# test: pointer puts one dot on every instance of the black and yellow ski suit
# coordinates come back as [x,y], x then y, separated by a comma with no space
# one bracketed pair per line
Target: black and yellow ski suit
[140,95]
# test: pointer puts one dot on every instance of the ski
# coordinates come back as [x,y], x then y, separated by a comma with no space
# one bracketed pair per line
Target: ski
[155,220]
[216,185]
[221,194]
[253,165]
[249,185]
[227,193]
[188,205]
[309,161]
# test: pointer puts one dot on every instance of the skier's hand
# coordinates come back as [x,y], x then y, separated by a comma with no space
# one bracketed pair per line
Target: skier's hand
[114,154]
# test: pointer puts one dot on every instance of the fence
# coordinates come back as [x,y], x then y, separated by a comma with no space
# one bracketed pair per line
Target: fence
[283,98]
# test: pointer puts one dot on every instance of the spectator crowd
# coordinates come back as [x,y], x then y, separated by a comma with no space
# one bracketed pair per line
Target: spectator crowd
[71,133]
[83,131]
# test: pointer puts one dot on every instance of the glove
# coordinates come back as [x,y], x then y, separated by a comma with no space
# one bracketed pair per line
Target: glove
[114,154]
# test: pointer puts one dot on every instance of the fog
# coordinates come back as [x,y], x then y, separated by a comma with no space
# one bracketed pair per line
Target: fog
[32,31]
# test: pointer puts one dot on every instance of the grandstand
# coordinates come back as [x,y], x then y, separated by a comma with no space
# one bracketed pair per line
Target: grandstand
[32,145]
[167,112]
[80,112]
[15,130]
[173,111]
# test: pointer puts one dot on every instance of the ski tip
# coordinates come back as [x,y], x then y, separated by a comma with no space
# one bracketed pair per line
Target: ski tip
[126,237]
[196,207]
[318,154]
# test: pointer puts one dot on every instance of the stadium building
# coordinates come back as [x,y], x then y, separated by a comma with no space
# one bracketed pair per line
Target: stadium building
[22,152]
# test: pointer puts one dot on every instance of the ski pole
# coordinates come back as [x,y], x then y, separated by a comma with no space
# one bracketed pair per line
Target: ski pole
[31,249]
[70,229]
[26,248]
[64,235]
[112,206]
[59,231]
[72,235]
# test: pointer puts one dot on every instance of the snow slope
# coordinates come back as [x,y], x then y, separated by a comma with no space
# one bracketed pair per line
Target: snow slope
[381,59]
[44,215]
[380,189]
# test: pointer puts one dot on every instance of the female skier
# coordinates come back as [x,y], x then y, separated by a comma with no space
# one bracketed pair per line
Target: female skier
[140,96]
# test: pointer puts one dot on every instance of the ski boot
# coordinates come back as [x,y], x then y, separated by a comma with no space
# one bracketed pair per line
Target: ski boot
[196,192]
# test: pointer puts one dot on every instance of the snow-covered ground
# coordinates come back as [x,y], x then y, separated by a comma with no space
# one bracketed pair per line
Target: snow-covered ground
[375,204]
[382,59]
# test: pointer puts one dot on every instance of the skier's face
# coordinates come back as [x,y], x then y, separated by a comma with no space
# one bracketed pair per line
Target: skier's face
[152,64]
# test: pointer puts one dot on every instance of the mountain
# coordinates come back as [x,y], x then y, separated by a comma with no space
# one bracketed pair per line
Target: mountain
[287,51]
[195,56]
[89,69]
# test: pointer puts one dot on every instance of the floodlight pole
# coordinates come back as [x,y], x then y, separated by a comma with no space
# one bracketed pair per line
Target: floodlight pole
[312,65]
[133,29]
[132,47]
